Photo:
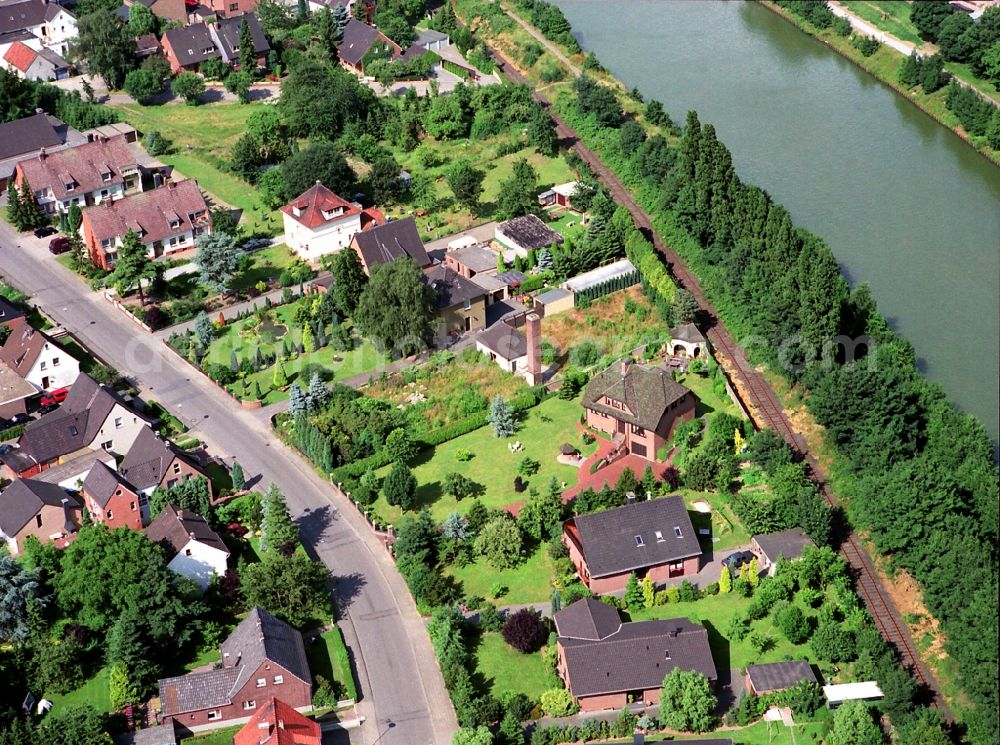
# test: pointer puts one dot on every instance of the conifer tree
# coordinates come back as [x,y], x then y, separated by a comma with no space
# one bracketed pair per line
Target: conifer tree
[633,593]
[248,53]
[725,581]
[753,573]
[297,403]
[236,473]
[648,592]
[278,533]
[502,418]
[279,379]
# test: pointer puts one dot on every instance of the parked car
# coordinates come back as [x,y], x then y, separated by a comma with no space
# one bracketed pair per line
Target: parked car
[46,231]
[59,245]
[737,560]
[14,421]
[56,397]
[47,408]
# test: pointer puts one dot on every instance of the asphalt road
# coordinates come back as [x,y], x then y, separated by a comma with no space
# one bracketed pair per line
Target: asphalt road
[403,695]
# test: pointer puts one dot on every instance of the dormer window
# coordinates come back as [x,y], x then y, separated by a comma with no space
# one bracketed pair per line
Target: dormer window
[296,210]
[70,186]
[677,532]
[639,543]
[659,536]
[106,176]
[666,654]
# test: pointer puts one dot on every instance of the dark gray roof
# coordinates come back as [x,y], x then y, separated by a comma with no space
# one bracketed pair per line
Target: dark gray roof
[392,240]
[504,339]
[529,232]
[451,288]
[512,277]
[637,657]
[26,135]
[24,499]
[192,44]
[15,16]
[228,30]
[477,258]
[777,676]
[122,12]
[75,424]
[358,39]
[788,543]
[687,332]
[174,528]
[147,460]
[647,393]
[196,691]
[609,542]
[588,619]
[101,483]
[550,296]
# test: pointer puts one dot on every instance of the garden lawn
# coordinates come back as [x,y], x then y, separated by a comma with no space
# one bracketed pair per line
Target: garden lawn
[216,737]
[765,733]
[505,669]
[94,692]
[892,16]
[528,583]
[543,429]
[267,265]
[569,225]
[715,613]
[727,530]
[328,657]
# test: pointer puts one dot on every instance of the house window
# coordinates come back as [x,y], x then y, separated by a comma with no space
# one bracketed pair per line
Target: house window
[639,542]
[43,365]
[38,520]
[666,654]
[177,468]
[659,537]
[467,304]
[677,532]
[143,500]
[70,187]
[261,682]
[131,506]
[637,430]
[118,422]
[55,362]
[108,445]
[234,7]
[187,552]
[106,176]
[104,193]
[106,243]
[279,679]
[214,716]
[247,705]
[110,515]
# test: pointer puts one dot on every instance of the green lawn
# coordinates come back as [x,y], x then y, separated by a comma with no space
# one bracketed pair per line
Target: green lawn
[328,658]
[216,737]
[505,669]
[201,138]
[92,693]
[543,429]
[266,266]
[527,583]
[569,225]
[892,16]
[722,521]
[763,733]
[715,613]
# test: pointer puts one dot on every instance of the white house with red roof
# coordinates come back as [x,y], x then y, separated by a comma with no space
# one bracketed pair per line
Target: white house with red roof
[318,222]
[33,63]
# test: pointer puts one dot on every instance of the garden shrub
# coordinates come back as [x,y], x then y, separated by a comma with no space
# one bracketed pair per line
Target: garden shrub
[523,630]
[490,618]
[557,702]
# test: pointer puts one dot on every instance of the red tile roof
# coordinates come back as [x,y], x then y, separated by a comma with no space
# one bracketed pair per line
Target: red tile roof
[20,56]
[150,211]
[278,724]
[318,205]
[81,165]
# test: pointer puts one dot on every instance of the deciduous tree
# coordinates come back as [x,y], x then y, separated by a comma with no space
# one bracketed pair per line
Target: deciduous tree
[500,542]
[397,308]
[189,86]
[466,183]
[132,266]
[322,162]
[518,194]
[686,701]
[106,44]
[293,588]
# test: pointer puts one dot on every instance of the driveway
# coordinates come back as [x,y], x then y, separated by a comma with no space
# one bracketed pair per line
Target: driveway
[397,671]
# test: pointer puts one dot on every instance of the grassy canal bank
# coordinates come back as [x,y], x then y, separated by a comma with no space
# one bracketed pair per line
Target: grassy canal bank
[884,65]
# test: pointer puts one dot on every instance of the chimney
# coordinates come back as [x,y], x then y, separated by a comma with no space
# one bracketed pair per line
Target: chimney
[42,155]
[533,332]
[630,497]
[625,366]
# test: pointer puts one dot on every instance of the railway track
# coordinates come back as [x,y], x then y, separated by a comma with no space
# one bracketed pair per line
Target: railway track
[765,406]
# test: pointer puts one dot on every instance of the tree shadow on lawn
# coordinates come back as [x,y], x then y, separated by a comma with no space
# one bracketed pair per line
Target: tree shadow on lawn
[721,655]
[703,409]
[473,641]
[427,494]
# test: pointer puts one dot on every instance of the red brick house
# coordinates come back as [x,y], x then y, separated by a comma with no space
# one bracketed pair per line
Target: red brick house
[652,538]
[166,220]
[152,462]
[360,41]
[278,724]
[29,507]
[110,499]
[603,661]
[262,659]
[638,406]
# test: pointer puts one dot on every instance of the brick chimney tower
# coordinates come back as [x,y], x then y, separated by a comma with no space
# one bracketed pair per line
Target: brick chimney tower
[533,332]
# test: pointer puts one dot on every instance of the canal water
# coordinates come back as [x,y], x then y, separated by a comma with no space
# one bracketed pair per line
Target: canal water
[904,204]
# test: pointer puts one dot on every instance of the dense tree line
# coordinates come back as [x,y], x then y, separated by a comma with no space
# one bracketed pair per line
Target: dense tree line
[977,115]
[818,14]
[549,19]
[20,98]
[960,38]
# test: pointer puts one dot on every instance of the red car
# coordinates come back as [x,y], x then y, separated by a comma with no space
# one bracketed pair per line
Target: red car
[59,245]
[55,397]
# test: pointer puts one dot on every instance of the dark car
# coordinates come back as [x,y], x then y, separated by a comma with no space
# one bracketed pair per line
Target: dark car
[59,245]
[46,231]
[737,560]
[47,408]
[14,421]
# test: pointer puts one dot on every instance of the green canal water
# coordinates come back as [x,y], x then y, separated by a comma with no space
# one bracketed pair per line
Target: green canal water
[903,203]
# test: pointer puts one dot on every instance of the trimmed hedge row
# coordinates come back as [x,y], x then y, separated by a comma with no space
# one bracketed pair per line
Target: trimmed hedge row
[358,468]
[12,432]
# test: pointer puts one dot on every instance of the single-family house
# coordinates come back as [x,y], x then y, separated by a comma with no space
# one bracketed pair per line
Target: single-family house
[152,462]
[193,549]
[390,241]
[277,723]
[638,405]
[649,538]
[318,222]
[34,356]
[768,547]
[605,662]
[362,44]
[14,392]
[110,499]
[229,8]
[92,417]
[461,303]
[514,350]
[35,64]
[263,658]
[522,234]
[22,138]
[186,47]
[86,174]
[30,507]
[226,35]
[470,261]
[48,21]
[771,677]
[559,195]
[687,341]
[167,220]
